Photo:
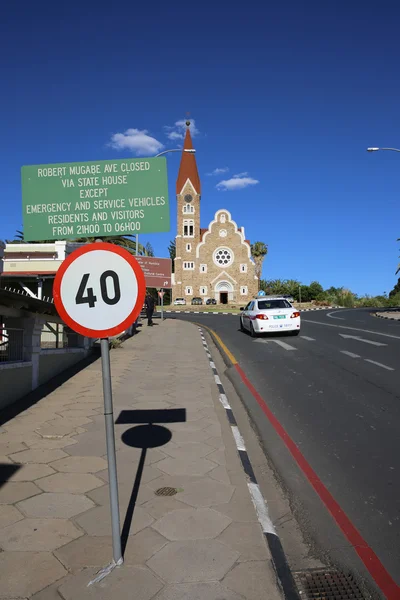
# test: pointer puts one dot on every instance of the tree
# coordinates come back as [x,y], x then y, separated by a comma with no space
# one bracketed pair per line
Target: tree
[316,290]
[398,266]
[149,249]
[259,251]
[395,290]
[172,253]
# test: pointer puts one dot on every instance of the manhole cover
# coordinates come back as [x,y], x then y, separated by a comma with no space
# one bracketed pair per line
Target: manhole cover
[320,584]
[166,491]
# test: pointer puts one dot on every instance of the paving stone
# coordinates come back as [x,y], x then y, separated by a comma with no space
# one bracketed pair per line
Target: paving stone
[218,456]
[246,538]
[56,429]
[38,535]
[4,460]
[102,495]
[192,524]
[207,492]
[76,413]
[149,473]
[127,582]
[219,474]
[11,447]
[58,506]
[198,591]
[252,579]
[193,561]
[14,491]
[9,515]
[240,508]
[162,505]
[190,436]
[31,471]
[38,456]
[187,426]
[185,466]
[190,450]
[46,444]
[96,522]
[80,464]
[176,481]
[25,573]
[91,443]
[74,483]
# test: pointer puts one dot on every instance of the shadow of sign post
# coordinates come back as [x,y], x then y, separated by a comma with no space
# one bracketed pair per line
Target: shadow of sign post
[148,434]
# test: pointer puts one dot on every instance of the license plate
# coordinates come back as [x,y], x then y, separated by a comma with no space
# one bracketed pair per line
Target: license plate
[279,316]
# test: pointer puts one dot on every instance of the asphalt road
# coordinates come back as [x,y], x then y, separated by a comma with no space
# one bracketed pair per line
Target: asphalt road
[336,391]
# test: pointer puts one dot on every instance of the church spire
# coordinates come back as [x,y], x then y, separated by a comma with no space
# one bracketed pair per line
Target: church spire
[188,166]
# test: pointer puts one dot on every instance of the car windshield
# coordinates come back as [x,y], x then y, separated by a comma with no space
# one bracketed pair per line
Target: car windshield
[269,304]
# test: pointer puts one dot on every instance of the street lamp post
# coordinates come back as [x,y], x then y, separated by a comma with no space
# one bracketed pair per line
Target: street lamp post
[376,149]
[187,150]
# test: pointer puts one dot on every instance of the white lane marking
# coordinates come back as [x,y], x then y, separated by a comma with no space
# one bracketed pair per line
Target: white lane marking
[351,354]
[378,364]
[217,379]
[360,339]
[395,337]
[262,341]
[212,364]
[261,508]
[305,337]
[238,438]
[338,318]
[284,345]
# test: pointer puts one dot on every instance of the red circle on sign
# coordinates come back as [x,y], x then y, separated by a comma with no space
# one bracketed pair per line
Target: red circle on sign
[141,284]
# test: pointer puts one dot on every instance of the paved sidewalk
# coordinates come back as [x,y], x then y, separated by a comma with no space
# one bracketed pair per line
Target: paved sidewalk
[203,542]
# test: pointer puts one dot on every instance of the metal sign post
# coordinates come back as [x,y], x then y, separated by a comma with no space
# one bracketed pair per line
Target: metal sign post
[98,292]
[111,454]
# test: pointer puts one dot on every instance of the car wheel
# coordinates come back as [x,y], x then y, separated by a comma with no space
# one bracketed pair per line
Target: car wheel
[241,325]
[252,332]
[296,332]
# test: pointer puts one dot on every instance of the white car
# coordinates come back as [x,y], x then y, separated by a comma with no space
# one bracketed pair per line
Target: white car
[269,314]
[180,301]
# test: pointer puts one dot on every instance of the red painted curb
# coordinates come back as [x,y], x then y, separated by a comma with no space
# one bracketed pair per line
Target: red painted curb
[374,566]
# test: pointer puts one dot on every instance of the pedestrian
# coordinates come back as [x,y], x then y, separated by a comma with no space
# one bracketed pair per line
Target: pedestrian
[149,303]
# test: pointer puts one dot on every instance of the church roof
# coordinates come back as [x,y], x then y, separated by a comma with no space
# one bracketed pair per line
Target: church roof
[202,232]
[188,166]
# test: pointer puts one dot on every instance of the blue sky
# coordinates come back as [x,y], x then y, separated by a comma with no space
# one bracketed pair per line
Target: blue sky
[290,93]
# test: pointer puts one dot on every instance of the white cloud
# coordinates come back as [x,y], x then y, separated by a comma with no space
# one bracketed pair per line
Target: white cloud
[244,174]
[137,141]
[237,182]
[219,171]
[177,131]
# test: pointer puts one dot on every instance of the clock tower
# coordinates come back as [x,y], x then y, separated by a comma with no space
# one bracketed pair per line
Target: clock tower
[188,213]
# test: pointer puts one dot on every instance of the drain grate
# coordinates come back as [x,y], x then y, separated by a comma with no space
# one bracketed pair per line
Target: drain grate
[166,491]
[320,584]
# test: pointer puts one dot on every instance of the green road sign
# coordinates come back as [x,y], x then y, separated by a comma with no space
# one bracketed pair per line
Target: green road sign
[103,198]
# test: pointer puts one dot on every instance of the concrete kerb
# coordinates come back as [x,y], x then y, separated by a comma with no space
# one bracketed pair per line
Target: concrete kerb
[203,312]
[383,315]
[274,544]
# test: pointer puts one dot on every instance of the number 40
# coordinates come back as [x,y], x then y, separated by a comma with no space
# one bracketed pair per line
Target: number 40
[90,298]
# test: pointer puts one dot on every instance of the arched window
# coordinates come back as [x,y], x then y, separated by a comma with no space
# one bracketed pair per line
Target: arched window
[188,209]
[188,228]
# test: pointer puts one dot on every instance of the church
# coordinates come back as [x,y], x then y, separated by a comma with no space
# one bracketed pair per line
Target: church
[214,262]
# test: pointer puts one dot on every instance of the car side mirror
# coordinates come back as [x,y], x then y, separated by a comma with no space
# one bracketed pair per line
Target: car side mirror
[241,308]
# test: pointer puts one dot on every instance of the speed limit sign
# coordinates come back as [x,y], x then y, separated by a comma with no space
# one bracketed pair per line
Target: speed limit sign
[99,290]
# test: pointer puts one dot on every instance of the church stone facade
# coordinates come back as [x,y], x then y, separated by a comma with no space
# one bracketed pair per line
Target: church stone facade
[214,262]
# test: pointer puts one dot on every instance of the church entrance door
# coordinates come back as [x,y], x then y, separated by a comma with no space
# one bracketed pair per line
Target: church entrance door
[223,297]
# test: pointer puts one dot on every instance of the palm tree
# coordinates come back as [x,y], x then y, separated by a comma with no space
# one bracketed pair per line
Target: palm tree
[259,251]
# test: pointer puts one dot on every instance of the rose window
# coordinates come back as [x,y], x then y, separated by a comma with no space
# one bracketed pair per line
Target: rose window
[223,257]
